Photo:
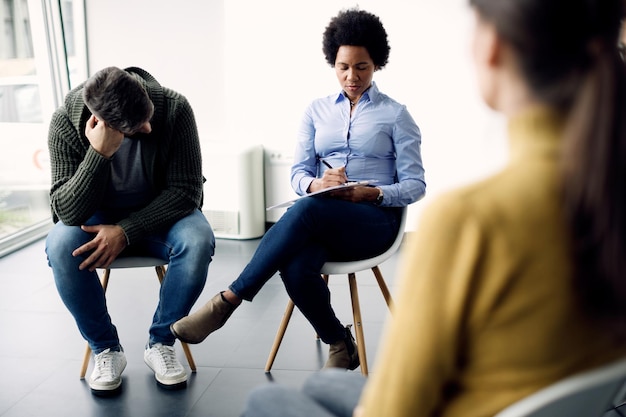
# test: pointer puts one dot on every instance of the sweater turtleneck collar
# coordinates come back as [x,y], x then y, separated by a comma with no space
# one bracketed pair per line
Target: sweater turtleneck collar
[535,130]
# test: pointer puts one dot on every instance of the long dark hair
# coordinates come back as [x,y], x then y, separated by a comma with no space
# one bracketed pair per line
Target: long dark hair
[568,53]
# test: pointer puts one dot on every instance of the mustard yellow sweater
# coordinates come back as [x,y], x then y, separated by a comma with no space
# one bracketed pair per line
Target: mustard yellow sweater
[485,313]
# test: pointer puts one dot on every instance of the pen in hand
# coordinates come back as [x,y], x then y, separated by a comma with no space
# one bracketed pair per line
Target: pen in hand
[331,167]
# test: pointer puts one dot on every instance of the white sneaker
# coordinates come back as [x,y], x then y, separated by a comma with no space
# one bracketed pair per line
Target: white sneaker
[107,374]
[167,369]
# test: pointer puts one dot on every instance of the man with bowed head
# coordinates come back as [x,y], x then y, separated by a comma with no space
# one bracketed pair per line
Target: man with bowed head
[127,181]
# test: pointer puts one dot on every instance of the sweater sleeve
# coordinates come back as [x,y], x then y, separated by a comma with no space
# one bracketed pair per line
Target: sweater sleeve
[422,341]
[79,173]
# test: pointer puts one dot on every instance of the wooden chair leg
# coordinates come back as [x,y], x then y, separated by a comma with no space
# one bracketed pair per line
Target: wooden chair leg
[356,311]
[192,363]
[83,369]
[160,271]
[383,287]
[279,335]
[104,281]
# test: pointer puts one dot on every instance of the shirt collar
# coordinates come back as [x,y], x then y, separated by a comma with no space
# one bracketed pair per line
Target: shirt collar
[370,94]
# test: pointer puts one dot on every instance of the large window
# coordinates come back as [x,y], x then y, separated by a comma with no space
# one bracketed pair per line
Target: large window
[42,53]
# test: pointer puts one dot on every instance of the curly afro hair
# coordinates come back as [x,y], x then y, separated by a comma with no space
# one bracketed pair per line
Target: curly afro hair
[356,28]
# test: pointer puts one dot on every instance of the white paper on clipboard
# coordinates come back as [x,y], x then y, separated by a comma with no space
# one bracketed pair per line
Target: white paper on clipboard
[349,184]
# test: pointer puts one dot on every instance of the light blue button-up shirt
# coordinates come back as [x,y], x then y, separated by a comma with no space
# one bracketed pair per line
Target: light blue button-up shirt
[380,142]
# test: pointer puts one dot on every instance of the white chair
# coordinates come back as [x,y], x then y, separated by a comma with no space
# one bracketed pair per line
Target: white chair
[350,268]
[588,394]
[135,262]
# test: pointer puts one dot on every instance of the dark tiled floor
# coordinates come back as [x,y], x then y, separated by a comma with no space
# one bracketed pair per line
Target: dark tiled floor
[41,350]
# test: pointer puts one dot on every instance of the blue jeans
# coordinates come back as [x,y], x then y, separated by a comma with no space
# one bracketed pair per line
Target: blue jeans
[188,246]
[312,231]
[328,393]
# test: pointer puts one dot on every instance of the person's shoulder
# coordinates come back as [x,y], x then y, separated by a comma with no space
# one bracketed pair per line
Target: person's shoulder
[61,125]
[499,202]
[74,99]
[480,198]
[449,205]
[378,96]
[389,105]
[329,98]
[322,104]
[72,108]
[174,95]
[155,89]
[172,101]
[60,114]
[383,98]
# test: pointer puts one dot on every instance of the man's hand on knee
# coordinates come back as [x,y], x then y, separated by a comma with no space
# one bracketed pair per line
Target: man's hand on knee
[107,244]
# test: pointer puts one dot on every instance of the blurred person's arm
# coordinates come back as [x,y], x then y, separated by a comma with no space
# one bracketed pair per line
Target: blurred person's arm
[422,339]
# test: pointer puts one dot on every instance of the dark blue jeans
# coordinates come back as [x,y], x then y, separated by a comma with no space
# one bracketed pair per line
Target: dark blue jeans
[188,245]
[313,231]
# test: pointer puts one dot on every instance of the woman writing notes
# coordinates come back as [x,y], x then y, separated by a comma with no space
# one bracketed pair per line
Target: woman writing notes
[357,134]
[519,280]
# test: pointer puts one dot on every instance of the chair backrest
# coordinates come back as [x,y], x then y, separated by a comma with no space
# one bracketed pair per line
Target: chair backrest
[136,262]
[332,268]
[588,394]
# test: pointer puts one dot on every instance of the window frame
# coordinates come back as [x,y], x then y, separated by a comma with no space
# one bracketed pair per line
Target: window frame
[55,74]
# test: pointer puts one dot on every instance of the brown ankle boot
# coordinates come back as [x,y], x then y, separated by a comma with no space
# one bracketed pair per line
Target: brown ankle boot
[343,354]
[197,326]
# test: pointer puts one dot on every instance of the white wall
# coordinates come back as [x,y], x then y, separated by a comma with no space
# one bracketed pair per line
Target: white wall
[249,68]
[180,43]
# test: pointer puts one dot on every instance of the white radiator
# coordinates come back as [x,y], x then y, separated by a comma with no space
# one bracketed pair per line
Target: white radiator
[234,202]
[277,181]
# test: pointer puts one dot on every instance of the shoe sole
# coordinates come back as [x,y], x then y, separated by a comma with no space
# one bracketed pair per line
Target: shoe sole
[107,392]
[171,385]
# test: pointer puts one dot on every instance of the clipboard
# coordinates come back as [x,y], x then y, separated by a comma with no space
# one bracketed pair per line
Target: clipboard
[349,184]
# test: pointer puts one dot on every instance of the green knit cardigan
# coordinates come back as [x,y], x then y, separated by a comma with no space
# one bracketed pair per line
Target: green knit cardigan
[170,153]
